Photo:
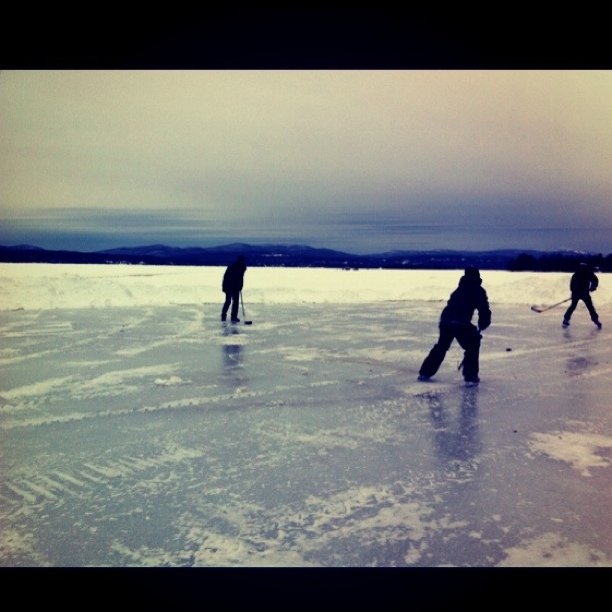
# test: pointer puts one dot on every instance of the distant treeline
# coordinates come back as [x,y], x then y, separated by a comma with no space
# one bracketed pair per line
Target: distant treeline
[308,257]
[559,262]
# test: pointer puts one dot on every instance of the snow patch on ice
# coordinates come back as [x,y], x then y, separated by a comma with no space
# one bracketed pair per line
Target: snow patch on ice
[248,548]
[579,450]
[115,382]
[326,440]
[301,354]
[143,348]
[40,388]
[16,546]
[234,339]
[170,382]
[375,515]
[89,364]
[145,556]
[552,550]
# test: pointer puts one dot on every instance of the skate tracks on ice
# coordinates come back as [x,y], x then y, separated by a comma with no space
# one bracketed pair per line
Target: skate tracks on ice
[159,437]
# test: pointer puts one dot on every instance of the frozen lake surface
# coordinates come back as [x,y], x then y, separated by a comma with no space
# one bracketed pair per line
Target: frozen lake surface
[150,434]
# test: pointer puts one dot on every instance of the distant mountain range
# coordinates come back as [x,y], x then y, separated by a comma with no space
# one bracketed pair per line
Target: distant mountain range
[279,255]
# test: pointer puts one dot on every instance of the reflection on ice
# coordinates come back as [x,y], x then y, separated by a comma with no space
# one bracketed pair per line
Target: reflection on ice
[232,356]
[456,436]
[231,350]
[233,343]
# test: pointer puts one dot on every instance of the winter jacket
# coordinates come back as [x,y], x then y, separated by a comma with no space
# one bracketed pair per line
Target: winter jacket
[467,298]
[233,278]
[583,281]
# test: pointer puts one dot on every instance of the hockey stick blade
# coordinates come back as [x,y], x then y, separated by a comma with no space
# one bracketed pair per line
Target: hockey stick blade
[545,308]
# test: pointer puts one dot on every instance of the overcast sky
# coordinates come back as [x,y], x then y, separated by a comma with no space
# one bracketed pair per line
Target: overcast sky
[362,161]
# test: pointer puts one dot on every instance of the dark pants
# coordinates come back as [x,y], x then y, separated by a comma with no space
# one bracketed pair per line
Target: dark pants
[232,297]
[586,298]
[468,338]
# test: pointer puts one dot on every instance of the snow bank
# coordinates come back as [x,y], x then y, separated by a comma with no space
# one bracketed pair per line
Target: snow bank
[49,286]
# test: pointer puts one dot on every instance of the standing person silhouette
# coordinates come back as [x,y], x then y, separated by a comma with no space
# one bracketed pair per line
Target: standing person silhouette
[582,283]
[456,323]
[233,280]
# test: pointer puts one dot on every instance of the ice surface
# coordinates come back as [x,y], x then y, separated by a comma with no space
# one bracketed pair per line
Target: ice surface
[47,286]
[137,430]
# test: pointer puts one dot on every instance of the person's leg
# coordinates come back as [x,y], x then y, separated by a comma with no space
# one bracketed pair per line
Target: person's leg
[434,360]
[568,313]
[588,302]
[235,304]
[226,305]
[469,340]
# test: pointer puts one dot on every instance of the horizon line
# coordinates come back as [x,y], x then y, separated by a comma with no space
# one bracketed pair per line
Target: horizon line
[25,246]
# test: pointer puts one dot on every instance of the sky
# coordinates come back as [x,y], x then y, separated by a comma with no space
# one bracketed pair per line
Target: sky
[357,160]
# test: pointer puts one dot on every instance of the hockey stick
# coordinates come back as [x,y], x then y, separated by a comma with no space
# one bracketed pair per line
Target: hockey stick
[243,315]
[545,308]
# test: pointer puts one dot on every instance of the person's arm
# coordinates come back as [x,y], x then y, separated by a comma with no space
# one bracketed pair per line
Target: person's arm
[484,311]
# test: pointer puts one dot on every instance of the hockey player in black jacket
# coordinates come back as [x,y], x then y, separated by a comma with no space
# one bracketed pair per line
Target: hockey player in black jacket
[582,283]
[456,323]
[233,280]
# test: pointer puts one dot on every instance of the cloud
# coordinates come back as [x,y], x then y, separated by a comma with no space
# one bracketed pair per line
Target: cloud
[134,151]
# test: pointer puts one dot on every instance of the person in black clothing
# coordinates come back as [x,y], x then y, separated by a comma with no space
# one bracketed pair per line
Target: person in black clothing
[233,280]
[582,283]
[456,323]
